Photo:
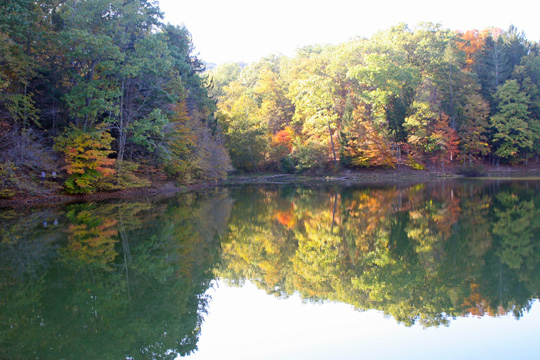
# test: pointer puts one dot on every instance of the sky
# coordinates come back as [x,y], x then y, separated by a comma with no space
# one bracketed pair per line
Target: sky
[247,30]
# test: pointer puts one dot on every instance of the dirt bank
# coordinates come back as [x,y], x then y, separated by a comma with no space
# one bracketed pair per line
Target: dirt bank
[59,198]
[402,175]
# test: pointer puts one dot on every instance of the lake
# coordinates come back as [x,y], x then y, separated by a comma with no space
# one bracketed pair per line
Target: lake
[446,270]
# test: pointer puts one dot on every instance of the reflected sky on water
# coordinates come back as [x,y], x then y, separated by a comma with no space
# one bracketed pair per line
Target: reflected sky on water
[292,329]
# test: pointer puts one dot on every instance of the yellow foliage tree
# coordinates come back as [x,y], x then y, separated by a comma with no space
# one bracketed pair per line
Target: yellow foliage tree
[367,145]
[86,155]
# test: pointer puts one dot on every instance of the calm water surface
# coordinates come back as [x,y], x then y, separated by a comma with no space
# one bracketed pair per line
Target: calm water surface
[437,270]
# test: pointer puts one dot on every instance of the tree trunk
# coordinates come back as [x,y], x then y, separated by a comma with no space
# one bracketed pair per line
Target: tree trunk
[332,143]
[333,214]
[90,77]
[452,111]
[121,148]
[121,130]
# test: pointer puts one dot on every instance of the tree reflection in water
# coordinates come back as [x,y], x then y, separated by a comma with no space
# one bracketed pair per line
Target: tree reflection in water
[111,281]
[128,279]
[422,254]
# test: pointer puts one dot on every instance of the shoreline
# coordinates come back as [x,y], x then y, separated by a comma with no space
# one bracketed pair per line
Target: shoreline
[346,177]
[62,198]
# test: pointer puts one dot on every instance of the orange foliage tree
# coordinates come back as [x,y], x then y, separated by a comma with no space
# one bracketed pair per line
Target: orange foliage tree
[284,138]
[472,42]
[87,157]
[368,146]
[444,142]
[281,147]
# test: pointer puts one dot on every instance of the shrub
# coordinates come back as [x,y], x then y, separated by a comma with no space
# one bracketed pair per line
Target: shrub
[412,162]
[86,155]
[310,156]
[286,165]
[123,178]
[471,170]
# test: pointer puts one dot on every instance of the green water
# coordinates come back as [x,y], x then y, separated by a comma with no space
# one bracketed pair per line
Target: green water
[131,279]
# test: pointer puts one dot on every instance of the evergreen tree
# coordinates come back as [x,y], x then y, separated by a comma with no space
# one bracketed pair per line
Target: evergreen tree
[493,68]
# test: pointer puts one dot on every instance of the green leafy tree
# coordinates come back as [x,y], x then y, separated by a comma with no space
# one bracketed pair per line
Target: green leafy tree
[314,103]
[222,76]
[91,91]
[247,139]
[25,33]
[514,137]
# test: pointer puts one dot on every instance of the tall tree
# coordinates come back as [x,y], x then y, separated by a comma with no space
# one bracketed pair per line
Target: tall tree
[514,138]
[473,131]
[493,68]
[314,103]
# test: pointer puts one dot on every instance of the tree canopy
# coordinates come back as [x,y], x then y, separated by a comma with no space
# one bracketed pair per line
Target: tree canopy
[426,97]
[70,69]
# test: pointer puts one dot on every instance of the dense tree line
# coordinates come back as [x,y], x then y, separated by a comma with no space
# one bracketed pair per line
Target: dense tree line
[427,97]
[104,90]
[106,96]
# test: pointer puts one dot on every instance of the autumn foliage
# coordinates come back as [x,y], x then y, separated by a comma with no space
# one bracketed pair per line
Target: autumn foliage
[193,152]
[86,156]
[444,142]
[426,97]
[471,43]
[284,138]
[369,147]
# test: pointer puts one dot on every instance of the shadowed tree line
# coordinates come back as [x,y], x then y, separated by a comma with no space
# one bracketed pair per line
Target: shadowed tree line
[105,95]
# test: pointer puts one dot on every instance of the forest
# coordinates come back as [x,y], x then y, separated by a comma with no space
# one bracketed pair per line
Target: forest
[424,97]
[102,95]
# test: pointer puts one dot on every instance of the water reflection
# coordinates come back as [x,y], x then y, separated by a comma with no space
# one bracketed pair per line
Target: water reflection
[128,279]
[423,254]
[111,281]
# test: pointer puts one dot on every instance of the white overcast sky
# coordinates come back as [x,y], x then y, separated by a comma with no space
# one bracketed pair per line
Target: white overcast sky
[246,30]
